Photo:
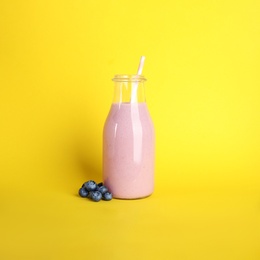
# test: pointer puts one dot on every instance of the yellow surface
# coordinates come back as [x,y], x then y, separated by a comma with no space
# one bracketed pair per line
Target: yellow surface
[57,59]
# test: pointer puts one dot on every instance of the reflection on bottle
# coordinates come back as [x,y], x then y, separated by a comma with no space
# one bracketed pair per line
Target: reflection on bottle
[137,133]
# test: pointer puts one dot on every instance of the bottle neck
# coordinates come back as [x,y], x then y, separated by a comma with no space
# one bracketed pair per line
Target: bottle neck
[129,89]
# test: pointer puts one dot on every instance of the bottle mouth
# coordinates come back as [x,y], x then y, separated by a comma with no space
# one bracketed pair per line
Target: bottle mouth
[128,78]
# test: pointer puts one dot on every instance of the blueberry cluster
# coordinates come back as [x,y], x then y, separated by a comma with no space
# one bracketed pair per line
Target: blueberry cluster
[94,191]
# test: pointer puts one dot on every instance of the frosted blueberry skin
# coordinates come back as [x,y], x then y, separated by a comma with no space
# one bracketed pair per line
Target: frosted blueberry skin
[94,191]
[83,192]
[90,185]
[107,196]
[102,189]
[96,196]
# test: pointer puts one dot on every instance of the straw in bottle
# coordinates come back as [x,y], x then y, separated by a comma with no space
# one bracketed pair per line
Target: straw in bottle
[135,84]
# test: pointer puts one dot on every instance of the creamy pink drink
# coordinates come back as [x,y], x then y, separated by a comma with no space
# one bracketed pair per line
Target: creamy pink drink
[128,144]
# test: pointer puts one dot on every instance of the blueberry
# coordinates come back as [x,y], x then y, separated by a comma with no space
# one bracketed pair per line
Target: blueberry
[90,185]
[107,196]
[83,192]
[96,196]
[103,189]
[100,184]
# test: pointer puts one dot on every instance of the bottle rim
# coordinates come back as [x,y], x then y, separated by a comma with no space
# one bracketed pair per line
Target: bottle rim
[129,78]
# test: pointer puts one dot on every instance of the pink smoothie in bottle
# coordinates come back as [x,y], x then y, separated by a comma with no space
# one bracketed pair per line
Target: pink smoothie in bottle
[128,145]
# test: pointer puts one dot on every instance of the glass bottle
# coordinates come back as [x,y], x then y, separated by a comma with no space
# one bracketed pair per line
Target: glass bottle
[129,141]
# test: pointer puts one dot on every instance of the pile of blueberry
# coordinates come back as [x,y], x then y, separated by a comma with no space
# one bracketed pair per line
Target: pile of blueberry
[94,191]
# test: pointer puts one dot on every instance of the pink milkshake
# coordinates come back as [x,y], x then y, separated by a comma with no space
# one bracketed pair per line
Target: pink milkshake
[128,142]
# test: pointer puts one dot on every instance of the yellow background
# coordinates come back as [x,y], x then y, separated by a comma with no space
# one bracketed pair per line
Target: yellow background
[57,59]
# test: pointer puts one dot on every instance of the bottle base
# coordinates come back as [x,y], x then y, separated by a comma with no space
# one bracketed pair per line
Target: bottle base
[134,198]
